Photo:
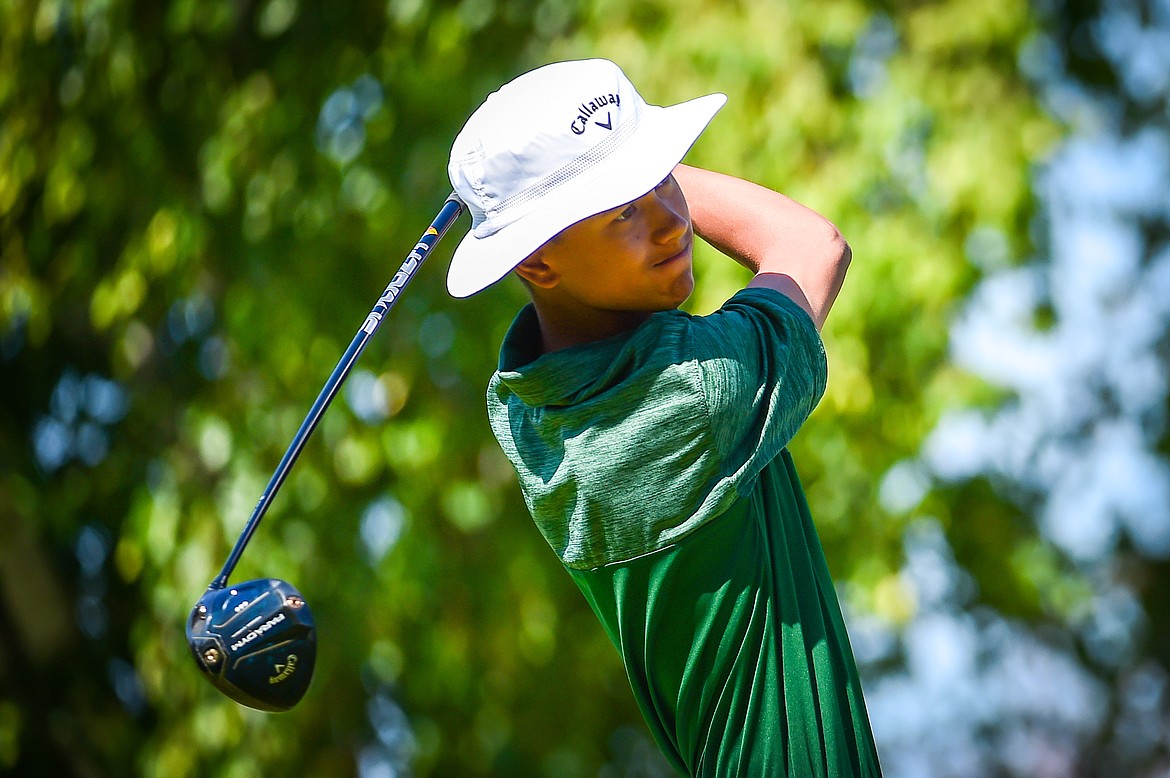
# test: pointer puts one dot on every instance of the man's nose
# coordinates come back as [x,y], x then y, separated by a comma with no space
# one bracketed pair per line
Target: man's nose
[670,214]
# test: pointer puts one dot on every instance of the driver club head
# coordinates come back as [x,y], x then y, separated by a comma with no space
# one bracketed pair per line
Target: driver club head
[256,642]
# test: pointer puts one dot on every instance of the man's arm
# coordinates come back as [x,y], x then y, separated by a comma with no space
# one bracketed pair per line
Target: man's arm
[789,248]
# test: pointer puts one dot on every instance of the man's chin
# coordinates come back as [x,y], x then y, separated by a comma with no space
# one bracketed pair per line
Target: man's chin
[683,289]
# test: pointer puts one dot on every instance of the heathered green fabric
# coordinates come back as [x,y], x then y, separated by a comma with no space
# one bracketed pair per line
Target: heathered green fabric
[654,465]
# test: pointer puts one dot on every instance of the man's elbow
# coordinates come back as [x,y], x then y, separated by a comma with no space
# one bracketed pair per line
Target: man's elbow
[835,252]
[831,256]
[841,251]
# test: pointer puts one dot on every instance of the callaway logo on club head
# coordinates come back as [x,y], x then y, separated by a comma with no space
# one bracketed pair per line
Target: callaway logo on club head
[283,671]
[587,109]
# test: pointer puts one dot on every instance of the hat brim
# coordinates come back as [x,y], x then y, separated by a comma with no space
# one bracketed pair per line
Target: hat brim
[664,136]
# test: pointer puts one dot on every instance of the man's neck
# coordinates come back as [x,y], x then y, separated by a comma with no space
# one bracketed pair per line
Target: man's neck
[563,326]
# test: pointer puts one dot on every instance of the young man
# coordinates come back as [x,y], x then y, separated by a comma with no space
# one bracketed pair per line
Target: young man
[649,443]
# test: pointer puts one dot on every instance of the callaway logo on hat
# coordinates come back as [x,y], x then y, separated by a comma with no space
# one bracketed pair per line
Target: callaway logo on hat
[552,147]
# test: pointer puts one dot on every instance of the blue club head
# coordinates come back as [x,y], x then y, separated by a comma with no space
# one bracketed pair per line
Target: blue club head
[256,642]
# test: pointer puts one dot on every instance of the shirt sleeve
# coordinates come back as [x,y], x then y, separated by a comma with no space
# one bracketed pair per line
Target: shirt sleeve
[762,370]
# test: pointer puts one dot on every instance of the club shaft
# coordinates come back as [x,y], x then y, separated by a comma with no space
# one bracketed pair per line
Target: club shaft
[450,211]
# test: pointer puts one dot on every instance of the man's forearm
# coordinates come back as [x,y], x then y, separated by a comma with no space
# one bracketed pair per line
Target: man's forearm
[777,238]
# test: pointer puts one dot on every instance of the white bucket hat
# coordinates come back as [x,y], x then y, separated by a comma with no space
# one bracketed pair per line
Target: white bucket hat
[552,147]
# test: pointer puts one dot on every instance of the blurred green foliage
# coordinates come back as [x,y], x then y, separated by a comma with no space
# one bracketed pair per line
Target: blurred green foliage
[199,201]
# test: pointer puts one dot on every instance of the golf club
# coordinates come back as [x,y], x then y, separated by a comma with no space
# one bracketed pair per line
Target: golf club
[256,641]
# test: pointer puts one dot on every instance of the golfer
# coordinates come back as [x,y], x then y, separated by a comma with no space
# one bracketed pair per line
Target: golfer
[650,443]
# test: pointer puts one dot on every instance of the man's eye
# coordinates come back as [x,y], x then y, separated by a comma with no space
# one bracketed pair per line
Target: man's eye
[626,213]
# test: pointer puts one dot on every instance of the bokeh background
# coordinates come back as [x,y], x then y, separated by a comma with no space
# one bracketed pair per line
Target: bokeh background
[200,200]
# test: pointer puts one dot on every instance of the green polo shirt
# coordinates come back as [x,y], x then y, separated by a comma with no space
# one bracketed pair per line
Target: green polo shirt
[654,464]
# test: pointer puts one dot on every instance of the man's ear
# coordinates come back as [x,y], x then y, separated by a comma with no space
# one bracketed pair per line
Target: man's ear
[536,270]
